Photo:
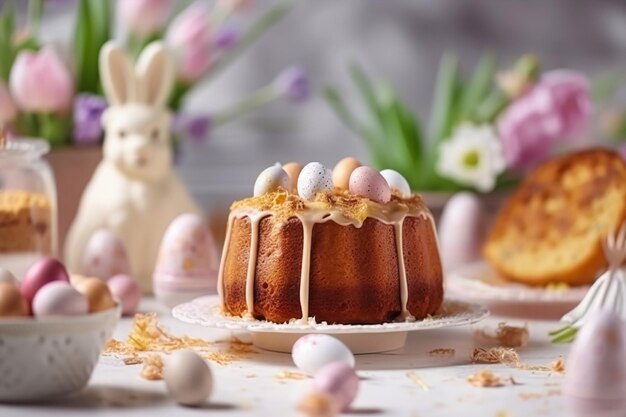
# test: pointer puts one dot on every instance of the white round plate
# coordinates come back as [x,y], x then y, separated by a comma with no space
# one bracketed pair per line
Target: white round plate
[478,282]
[364,338]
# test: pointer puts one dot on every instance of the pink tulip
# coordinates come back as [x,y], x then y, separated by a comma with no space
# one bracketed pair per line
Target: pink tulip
[143,17]
[189,37]
[40,82]
[8,111]
[555,109]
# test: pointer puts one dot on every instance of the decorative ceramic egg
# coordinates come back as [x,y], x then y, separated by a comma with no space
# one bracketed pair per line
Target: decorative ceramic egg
[369,183]
[12,302]
[188,262]
[293,169]
[339,380]
[314,178]
[97,293]
[126,291]
[7,276]
[342,172]
[462,230]
[42,272]
[59,298]
[188,378]
[396,181]
[313,351]
[270,179]
[596,367]
[105,256]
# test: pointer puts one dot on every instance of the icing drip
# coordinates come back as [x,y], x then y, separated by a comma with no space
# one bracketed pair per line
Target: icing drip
[220,274]
[404,287]
[307,231]
[254,247]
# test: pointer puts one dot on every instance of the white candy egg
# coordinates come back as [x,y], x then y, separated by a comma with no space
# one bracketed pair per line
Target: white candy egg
[596,367]
[7,276]
[59,298]
[270,179]
[188,378]
[313,351]
[397,181]
[314,178]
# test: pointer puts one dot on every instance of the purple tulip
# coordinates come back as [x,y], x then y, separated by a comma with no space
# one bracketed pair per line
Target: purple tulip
[88,111]
[226,38]
[193,128]
[293,84]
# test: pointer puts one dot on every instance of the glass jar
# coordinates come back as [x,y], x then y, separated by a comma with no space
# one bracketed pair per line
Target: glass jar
[28,204]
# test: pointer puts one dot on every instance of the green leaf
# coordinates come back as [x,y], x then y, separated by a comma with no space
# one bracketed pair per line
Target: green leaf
[93,29]
[564,335]
[55,128]
[604,88]
[443,109]
[368,94]
[478,86]
[7,50]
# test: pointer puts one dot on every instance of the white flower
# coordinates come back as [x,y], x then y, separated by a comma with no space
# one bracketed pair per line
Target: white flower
[472,156]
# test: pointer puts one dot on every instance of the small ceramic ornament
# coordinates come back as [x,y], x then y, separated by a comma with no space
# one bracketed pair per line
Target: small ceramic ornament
[134,191]
[462,230]
[187,263]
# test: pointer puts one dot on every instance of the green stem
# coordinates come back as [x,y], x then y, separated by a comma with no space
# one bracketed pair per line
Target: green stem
[257,99]
[492,106]
[35,11]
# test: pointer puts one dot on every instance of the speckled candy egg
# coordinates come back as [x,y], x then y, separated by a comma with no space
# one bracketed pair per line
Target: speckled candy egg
[339,380]
[462,230]
[7,276]
[187,263]
[188,378]
[596,368]
[42,272]
[12,302]
[105,256]
[59,298]
[343,170]
[126,291]
[293,169]
[367,182]
[97,293]
[395,180]
[313,351]
[314,178]
[270,179]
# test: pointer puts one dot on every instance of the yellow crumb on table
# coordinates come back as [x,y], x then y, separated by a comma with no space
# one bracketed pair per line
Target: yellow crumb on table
[485,378]
[415,378]
[153,368]
[293,375]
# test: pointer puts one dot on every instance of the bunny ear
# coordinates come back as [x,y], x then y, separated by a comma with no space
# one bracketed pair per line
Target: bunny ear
[155,72]
[117,74]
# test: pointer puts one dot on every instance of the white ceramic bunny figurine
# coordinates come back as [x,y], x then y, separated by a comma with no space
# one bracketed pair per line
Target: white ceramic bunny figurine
[134,191]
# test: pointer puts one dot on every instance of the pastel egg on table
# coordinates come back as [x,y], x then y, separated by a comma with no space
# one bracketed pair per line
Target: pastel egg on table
[105,256]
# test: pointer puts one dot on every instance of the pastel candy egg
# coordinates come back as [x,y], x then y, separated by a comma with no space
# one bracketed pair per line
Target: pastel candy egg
[7,276]
[42,272]
[343,170]
[293,169]
[313,351]
[126,291]
[270,179]
[314,178]
[188,378]
[59,298]
[12,302]
[462,230]
[97,292]
[105,256]
[339,380]
[369,183]
[396,181]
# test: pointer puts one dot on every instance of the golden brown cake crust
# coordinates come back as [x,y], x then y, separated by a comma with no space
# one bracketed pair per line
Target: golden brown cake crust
[550,229]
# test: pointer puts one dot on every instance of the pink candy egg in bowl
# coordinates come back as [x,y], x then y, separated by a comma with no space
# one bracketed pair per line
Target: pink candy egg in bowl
[47,357]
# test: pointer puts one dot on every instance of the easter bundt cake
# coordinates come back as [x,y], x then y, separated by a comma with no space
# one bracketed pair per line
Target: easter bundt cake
[350,246]
[551,228]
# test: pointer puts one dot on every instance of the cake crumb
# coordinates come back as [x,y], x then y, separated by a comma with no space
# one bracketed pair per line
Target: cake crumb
[502,414]
[505,335]
[530,396]
[415,378]
[442,352]
[153,368]
[317,404]
[509,357]
[485,379]
[294,375]
[558,366]
[132,360]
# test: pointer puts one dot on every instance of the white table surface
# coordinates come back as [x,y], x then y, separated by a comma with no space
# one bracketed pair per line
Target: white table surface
[250,387]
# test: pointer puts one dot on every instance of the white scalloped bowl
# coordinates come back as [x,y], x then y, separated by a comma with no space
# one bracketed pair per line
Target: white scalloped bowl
[44,358]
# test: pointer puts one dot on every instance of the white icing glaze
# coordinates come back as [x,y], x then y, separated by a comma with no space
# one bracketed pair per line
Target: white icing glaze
[315,213]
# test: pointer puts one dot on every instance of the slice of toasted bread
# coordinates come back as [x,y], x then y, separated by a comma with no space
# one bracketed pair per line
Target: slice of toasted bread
[550,229]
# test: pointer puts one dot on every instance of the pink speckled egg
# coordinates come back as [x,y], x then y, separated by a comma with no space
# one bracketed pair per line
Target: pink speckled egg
[105,256]
[59,298]
[367,182]
[126,291]
[339,380]
[42,272]
[188,260]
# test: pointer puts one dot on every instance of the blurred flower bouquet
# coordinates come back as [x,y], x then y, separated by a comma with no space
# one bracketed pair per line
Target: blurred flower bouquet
[484,131]
[42,95]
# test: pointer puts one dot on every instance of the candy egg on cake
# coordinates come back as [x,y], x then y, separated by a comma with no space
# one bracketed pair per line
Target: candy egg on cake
[396,181]
[368,182]
[314,178]
[343,170]
[105,256]
[187,263]
[293,169]
[271,179]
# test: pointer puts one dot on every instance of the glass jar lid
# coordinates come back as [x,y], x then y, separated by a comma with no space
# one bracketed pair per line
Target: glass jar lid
[23,148]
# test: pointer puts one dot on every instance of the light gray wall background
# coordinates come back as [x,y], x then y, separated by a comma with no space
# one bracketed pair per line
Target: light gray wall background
[400,40]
